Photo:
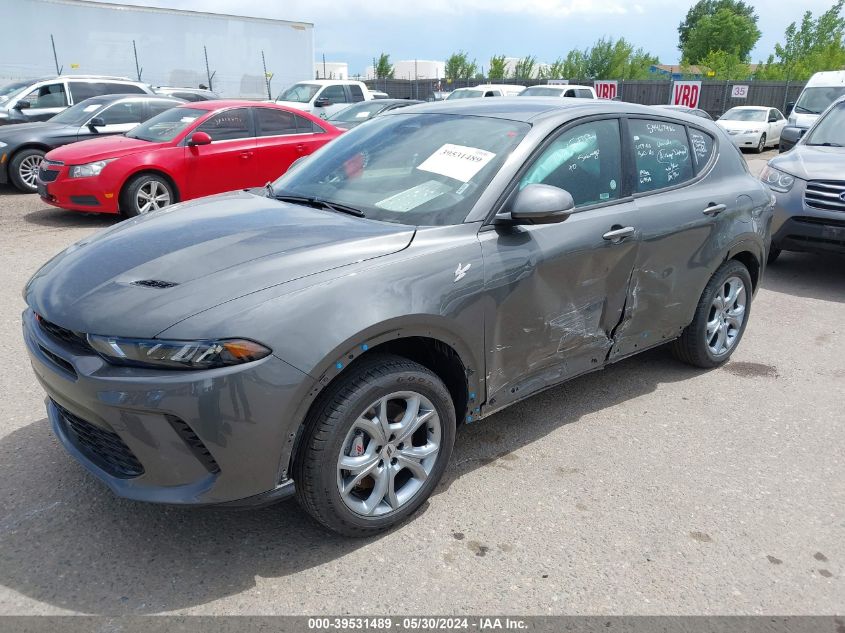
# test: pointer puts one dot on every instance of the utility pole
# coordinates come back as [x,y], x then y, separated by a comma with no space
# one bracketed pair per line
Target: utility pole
[324,66]
[267,76]
[208,72]
[55,57]
[138,69]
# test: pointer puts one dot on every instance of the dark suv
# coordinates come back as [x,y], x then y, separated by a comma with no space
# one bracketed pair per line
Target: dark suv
[324,336]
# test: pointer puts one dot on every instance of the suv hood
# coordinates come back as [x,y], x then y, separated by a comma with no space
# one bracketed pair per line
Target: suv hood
[99,149]
[810,162]
[31,129]
[213,249]
[295,104]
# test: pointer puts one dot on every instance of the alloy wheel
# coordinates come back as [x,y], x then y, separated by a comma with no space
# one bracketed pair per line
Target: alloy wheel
[388,454]
[151,195]
[29,170]
[727,313]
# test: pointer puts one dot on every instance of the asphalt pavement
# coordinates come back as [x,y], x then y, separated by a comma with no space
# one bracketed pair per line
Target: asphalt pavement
[646,488]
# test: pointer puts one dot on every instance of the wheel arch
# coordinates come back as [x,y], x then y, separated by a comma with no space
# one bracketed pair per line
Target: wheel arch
[156,171]
[749,255]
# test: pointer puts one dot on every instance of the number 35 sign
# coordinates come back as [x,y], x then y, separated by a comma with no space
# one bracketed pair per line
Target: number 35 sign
[739,92]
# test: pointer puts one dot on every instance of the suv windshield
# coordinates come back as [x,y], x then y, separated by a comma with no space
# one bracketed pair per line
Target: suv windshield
[8,90]
[541,91]
[167,125]
[299,93]
[79,113]
[464,94]
[816,100]
[415,169]
[737,114]
[359,112]
[830,130]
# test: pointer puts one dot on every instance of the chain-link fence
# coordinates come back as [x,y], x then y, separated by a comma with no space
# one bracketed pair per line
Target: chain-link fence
[715,96]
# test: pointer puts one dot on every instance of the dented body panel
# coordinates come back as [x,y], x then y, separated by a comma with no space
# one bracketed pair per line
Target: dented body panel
[518,308]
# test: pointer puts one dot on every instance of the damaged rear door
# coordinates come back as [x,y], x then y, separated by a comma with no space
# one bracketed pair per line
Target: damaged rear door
[558,291]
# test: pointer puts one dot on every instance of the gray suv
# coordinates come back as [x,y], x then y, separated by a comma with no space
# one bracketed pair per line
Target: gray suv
[324,336]
[41,99]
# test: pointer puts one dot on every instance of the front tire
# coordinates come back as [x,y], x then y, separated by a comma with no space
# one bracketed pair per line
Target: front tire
[23,169]
[761,146]
[145,193]
[375,446]
[720,318]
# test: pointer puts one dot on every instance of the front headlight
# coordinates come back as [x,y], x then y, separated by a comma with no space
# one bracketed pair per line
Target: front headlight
[777,180]
[165,354]
[89,169]
[2,144]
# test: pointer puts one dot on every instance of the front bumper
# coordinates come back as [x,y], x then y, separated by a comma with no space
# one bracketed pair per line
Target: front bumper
[90,195]
[745,140]
[220,436]
[799,227]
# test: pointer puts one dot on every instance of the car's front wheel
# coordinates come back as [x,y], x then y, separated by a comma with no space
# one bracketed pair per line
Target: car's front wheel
[375,446]
[23,169]
[145,193]
[761,146]
[720,318]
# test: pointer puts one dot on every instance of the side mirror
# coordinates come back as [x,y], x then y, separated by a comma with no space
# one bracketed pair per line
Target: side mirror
[789,106]
[199,138]
[22,105]
[773,119]
[96,122]
[322,102]
[538,204]
[792,134]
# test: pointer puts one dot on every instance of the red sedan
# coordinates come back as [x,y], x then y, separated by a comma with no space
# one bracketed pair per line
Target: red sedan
[186,152]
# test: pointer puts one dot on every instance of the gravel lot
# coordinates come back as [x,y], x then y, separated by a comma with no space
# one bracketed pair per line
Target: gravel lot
[648,488]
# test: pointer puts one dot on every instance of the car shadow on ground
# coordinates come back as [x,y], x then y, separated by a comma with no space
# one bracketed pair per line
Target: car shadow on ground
[808,275]
[59,218]
[67,541]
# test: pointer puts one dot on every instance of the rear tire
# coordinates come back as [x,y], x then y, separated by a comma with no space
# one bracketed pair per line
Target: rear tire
[720,318]
[390,474]
[761,146]
[145,193]
[23,169]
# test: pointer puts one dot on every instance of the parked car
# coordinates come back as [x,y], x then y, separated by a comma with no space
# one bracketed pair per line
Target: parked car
[324,97]
[324,337]
[190,151]
[378,94]
[188,94]
[809,185]
[23,146]
[681,108]
[486,90]
[757,127]
[820,91]
[567,90]
[356,114]
[41,99]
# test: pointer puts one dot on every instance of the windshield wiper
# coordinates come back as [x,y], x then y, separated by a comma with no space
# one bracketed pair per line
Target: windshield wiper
[269,188]
[317,203]
[805,110]
[825,144]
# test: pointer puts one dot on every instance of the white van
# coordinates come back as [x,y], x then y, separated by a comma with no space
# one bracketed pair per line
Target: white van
[324,97]
[486,90]
[821,90]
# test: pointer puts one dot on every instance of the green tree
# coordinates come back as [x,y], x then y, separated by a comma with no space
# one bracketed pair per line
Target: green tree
[458,66]
[383,69]
[704,8]
[524,68]
[814,46]
[616,59]
[724,30]
[575,65]
[555,70]
[725,66]
[498,68]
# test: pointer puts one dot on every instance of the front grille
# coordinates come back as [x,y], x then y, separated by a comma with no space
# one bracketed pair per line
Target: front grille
[194,443]
[58,361]
[47,175]
[75,340]
[825,194]
[101,446]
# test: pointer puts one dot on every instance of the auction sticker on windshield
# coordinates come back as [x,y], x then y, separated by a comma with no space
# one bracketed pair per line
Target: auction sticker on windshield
[457,161]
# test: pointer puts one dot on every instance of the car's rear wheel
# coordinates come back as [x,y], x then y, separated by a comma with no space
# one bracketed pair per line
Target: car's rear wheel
[146,193]
[720,318]
[23,169]
[761,146]
[375,446]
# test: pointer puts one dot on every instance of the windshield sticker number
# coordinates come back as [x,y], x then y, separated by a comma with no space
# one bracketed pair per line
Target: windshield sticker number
[457,161]
[92,107]
[362,115]
[412,198]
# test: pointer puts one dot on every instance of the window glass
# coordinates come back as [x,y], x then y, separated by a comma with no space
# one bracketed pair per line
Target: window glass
[123,89]
[228,125]
[584,93]
[335,94]
[167,125]
[569,93]
[662,154]
[305,126]
[357,93]
[188,96]
[275,122]
[157,107]
[122,113]
[585,160]
[81,90]
[47,96]
[702,146]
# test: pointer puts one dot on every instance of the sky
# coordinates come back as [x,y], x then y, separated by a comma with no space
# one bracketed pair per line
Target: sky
[354,31]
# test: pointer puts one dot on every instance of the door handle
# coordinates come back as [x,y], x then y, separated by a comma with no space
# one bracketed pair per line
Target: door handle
[617,235]
[246,154]
[300,148]
[714,209]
